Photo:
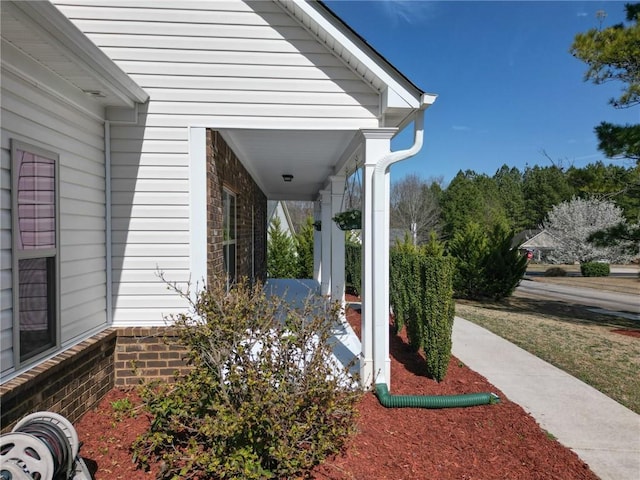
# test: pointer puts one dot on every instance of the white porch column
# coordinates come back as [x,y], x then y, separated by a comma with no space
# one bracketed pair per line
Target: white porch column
[325,273]
[377,144]
[198,202]
[317,242]
[337,240]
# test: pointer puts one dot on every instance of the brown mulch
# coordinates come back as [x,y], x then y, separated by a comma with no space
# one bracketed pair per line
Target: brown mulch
[628,332]
[486,442]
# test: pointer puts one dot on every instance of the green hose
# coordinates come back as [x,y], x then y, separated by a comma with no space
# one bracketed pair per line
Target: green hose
[433,401]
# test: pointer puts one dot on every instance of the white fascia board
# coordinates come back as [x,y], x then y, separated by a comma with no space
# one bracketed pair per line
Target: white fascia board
[401,88]
[80,48]
[34,73]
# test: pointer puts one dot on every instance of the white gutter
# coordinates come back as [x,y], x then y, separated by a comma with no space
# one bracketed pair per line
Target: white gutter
[108,232]
[380,266]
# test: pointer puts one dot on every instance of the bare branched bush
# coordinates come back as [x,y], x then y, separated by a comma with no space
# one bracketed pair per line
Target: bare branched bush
[265,397]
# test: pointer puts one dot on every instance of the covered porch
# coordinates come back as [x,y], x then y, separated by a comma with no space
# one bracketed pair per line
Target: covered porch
[315,166]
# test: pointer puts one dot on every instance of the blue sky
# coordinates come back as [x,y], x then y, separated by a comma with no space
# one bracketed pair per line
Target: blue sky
[508,88]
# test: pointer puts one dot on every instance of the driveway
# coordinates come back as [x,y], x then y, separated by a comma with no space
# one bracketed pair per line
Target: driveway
[601,299]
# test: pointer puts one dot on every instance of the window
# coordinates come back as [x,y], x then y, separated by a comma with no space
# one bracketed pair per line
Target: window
[35,250]
[229,235]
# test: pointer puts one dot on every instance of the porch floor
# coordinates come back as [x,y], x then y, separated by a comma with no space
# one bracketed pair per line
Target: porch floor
[295,291]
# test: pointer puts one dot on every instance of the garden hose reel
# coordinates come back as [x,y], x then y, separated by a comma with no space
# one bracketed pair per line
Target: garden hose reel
[42,446]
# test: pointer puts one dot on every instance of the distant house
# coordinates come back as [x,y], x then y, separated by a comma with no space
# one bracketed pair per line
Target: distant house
[143,137]
[540,242]
[278,209]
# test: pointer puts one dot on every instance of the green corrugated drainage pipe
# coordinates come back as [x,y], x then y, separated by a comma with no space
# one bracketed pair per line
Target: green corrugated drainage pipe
[433,401]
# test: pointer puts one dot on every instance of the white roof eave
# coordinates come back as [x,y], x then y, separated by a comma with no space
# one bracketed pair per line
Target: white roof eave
[78,46]
[397,91]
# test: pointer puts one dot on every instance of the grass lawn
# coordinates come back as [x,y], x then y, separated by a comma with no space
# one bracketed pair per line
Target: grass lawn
[587,345]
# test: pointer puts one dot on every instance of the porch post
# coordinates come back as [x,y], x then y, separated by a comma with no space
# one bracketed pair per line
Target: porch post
[377,144]
[317,242]
[325,261]
[337,240]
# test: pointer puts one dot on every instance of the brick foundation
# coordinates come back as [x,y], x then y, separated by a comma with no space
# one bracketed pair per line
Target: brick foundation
[147,354]
[70,383]
[75,380]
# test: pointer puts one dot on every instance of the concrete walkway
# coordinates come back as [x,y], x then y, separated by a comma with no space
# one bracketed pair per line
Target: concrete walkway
[604,434]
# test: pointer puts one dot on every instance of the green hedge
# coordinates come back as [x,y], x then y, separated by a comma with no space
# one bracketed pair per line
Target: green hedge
[353,267]
[421,291]
[594,269]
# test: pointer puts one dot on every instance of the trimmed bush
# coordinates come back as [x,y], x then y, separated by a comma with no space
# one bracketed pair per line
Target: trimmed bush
[437,312]
[555,272]
[402,285]
[264,399]
[594,269]
[422,299]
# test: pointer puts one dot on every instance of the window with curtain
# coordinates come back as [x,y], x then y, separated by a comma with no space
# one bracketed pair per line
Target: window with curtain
[35,241]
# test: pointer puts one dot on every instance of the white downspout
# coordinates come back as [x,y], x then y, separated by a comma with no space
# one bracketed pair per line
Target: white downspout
[108,242]
[380,267]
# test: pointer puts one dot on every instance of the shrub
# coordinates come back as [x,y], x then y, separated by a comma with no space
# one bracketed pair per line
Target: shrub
[402,286]
[422,299]
[304,249]
[353,267]
[488,266]
[281,252]
[437,313]
[555,272]
[470,248]
[594,269]
[264,398]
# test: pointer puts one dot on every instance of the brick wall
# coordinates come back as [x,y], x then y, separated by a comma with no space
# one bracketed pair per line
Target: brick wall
[147,353]
[75,380]
[224,170]
[69,383]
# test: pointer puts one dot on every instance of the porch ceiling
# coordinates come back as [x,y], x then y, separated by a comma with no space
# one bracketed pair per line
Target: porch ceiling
[310,156]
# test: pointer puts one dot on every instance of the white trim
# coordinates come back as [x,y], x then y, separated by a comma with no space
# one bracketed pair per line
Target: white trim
[108,228]
[354,45]
[337,240]
[62,32]
[33,74]
[327,228]
[198,199]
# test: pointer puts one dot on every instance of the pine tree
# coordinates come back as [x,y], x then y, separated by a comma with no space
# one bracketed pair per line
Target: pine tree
[281,253]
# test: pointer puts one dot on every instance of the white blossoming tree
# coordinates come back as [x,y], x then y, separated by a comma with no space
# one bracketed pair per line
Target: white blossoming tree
[571,223]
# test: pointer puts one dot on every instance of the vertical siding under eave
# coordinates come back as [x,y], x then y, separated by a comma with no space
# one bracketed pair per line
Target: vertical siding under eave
[205,63]
[38,118]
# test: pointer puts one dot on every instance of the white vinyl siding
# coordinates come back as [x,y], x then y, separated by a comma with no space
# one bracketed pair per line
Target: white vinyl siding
[216,59]
[47,121]
[233,63]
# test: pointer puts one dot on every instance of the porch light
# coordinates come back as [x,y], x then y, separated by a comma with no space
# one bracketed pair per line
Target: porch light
[287,177]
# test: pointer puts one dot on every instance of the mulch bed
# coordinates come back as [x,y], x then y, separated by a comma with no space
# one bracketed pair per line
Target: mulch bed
[486,442]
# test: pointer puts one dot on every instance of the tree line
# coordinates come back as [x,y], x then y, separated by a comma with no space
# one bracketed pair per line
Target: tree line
[512,199]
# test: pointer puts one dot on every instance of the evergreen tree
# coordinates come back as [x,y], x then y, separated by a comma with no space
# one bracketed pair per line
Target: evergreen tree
[304,249]
[613,53]
[509,182]
[281,253]
[487,264]
[471,197]
[543,187]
